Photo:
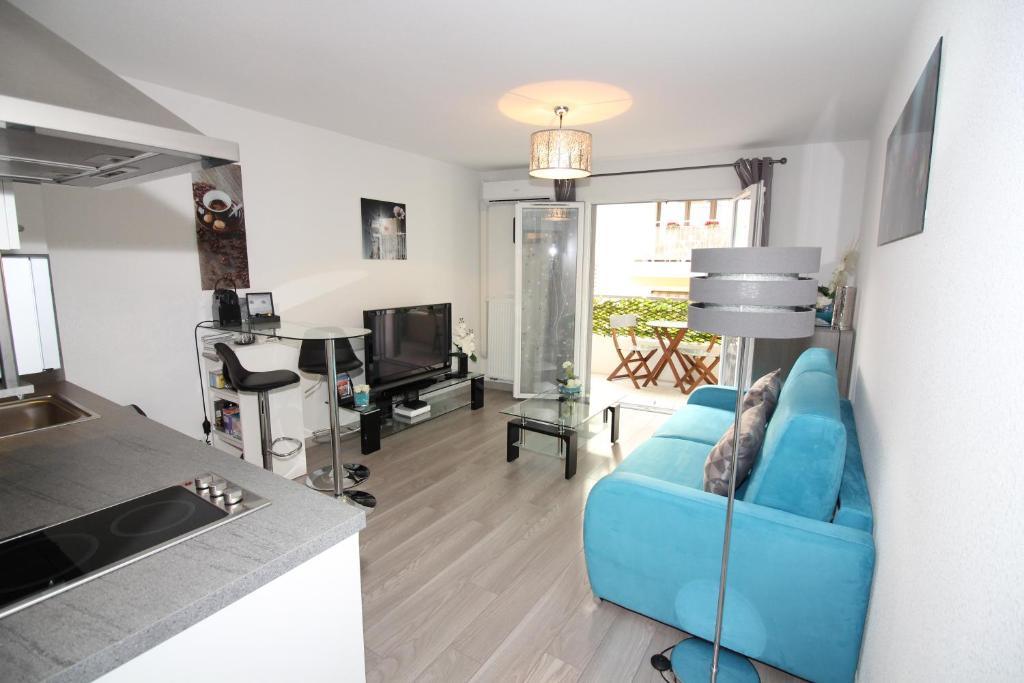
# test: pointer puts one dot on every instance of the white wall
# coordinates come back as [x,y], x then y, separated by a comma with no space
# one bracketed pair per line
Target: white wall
[126,271]
[28,203]
[816,197]
[938,368]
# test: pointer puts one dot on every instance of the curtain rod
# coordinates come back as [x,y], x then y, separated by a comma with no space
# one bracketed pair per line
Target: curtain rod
[783,161]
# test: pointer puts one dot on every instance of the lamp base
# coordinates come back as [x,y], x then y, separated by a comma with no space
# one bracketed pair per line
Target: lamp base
[691,663]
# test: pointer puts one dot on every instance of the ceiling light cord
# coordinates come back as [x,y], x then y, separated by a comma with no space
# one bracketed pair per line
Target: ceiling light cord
[561,110]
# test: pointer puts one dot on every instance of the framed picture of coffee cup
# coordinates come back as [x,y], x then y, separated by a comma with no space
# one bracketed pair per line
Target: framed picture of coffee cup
[384,230]
[220,226]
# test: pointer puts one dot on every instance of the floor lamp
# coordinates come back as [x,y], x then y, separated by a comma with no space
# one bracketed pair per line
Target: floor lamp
[748,293]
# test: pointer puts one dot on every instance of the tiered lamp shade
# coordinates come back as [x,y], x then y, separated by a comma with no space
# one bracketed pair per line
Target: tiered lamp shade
[560,153]
[754,291]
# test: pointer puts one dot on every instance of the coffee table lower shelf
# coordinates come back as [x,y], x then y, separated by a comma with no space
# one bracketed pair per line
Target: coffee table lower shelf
[567,436]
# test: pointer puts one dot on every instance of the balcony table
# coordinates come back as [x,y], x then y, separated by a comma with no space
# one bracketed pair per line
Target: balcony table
[670,334]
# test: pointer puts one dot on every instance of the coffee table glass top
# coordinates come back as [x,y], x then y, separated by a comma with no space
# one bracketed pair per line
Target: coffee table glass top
[567,412]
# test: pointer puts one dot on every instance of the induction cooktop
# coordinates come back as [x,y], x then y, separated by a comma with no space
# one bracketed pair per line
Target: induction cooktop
[40,563]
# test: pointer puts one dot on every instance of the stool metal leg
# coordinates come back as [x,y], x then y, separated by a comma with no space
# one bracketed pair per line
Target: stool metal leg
[266,440]
[332,401]
[336,472]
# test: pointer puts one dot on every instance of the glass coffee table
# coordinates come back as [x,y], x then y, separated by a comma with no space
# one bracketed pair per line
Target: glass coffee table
[562,417]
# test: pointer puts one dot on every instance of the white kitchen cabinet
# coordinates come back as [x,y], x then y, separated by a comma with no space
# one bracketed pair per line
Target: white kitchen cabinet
[282,631]
[31,311]
[9,236]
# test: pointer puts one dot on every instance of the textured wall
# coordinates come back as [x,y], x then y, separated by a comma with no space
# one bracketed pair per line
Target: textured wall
[938,368]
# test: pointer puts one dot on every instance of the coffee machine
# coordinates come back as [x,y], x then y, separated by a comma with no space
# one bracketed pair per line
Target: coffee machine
[226,308]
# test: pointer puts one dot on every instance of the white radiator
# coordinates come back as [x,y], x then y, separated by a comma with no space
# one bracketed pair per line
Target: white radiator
[501,332]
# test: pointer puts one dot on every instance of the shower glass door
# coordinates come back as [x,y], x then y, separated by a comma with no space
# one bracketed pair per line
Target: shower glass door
[550,285]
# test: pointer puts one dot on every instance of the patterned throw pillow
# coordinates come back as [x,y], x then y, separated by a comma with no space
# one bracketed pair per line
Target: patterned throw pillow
[718,466]
[765,390]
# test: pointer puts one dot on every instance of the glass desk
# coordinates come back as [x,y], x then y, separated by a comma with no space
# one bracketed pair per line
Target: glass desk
[561,416]
[303,331]
[288,329]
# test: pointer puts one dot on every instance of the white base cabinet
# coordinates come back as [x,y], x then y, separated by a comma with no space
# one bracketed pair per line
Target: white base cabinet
[306,625]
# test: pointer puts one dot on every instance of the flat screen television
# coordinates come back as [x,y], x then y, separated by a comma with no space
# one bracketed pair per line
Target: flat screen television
[407,344]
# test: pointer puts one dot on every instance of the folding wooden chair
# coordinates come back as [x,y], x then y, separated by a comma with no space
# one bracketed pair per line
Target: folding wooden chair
[699,362]
[633,355]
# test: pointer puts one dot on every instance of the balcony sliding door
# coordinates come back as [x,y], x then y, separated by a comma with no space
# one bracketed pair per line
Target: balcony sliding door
[550,293]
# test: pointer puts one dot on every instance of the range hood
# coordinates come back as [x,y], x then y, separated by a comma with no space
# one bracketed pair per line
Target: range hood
[66,119]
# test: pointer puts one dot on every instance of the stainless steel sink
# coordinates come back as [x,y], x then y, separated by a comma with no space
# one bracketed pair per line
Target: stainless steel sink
[40,412]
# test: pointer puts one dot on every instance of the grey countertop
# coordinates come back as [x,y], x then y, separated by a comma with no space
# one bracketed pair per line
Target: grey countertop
[56,474]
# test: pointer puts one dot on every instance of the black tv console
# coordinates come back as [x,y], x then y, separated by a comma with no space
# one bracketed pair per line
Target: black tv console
[444,394]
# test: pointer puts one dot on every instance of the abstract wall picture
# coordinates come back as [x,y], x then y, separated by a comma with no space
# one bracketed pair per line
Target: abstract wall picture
[220,226]
[383,230]
[908,156]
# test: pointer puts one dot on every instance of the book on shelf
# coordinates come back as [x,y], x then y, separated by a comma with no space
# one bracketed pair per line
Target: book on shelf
[420,417]
[410,413]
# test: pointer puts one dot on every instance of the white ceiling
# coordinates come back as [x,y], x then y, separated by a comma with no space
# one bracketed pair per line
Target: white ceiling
[426,76]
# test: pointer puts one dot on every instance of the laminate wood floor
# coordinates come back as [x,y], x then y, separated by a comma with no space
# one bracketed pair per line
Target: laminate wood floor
[473,568]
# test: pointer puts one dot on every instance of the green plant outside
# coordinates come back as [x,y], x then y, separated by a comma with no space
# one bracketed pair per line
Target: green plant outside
[645,310]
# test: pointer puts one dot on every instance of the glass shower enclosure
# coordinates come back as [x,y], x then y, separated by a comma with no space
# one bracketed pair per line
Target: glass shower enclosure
[551,275]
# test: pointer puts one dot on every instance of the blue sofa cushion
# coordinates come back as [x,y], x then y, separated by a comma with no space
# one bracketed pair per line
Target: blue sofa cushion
[697,423]
[815,359]
[801,464]
[679,461]
[854,502]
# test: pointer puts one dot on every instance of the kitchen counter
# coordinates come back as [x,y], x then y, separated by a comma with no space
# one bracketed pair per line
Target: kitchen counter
[56,474]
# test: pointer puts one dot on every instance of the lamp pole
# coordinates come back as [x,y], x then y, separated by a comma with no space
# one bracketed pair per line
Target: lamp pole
[747,293]
[741,373]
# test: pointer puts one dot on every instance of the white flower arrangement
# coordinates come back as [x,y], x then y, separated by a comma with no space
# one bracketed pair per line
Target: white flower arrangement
[571,385]
[846,268]
[465,339]
[361,388]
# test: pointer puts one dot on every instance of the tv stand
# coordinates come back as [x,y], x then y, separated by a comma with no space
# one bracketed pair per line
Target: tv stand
[443,394]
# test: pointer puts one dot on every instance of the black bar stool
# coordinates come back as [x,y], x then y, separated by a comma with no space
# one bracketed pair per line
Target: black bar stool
[313,359]
[262,383]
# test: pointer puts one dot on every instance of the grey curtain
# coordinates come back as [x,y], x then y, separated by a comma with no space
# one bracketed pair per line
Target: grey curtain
[751,171]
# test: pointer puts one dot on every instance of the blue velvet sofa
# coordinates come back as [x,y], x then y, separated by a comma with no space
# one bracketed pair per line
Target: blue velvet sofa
[802,553]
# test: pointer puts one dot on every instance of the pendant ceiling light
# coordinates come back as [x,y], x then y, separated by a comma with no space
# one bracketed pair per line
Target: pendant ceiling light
[560,153]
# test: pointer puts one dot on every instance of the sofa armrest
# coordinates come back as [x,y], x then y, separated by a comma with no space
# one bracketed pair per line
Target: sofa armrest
[797,588]
[714,396]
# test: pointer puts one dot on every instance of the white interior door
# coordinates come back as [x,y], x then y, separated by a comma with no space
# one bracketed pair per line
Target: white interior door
[748,208]
[551,286]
